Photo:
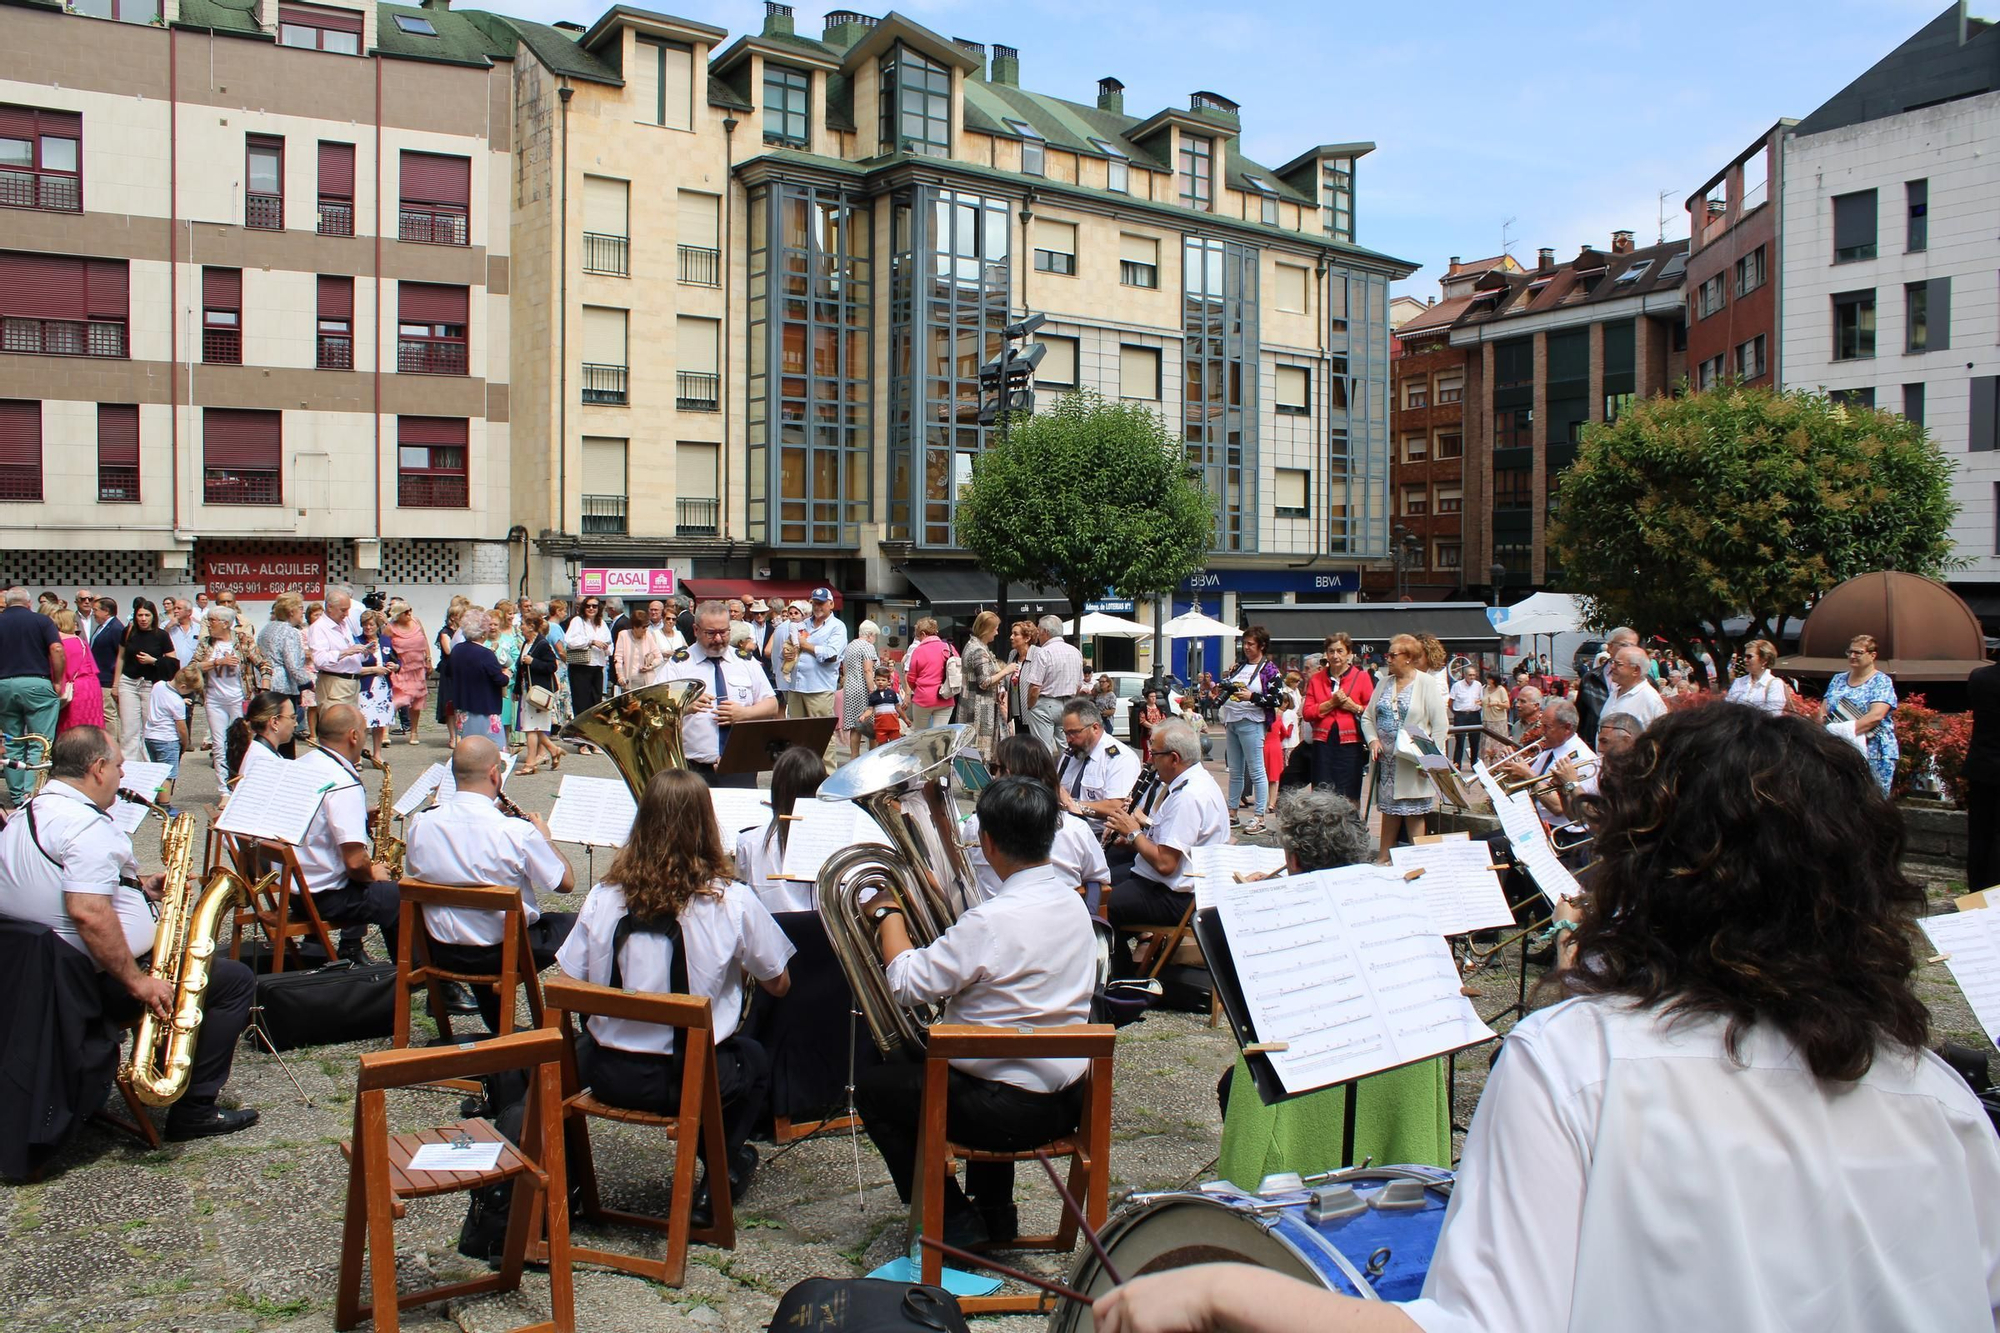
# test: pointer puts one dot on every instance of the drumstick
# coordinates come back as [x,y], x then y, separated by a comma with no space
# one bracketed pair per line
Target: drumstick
[1069,1202]
[980,1261]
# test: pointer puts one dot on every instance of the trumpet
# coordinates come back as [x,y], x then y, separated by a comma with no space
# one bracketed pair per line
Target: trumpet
[1541,782]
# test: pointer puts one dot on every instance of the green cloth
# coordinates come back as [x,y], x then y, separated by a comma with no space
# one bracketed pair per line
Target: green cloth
[1401,1117]
[27,704]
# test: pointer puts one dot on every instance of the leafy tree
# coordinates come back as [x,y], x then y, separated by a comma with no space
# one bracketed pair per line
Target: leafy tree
[1690,510]
[1087,496]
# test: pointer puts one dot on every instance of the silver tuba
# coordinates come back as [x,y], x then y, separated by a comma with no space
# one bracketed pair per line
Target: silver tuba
[912,789]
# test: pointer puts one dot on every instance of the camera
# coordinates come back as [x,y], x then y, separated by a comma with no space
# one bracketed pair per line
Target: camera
[375,600]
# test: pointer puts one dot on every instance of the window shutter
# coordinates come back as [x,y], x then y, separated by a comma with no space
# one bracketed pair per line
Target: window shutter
[1937,315]
[336,297]
[432,303]
[676,66]
[1057,236]
[1291,488]
[434,178]
[1058,362]
[606,206]
[1292,382]
[431,430]
[117,435]
[336,170]
[1854,219]
[333,20]
[17,122]
[108,296]
[694,470]
[1138,249]
[41,286]
[240,438]
[222,288]
[1983,428]
[603,465]
[603,336]
[25,122]
[1138,372]
[698,214]
[696,339]
[20,432]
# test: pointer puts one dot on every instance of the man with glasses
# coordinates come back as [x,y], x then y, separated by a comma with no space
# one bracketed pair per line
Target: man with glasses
[737,692]
[1094,773]
[1631,692]
[816,673]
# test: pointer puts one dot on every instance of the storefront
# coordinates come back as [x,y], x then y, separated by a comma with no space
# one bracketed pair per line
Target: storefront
[1229,595]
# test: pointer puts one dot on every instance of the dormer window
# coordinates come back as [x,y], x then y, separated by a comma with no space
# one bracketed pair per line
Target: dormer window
[311,28]
[415,25]
[1267,197]
[1034,153]
[1337,197]
[1197,172]
[916,104]
[1118,167]
[1634,273]
[787,105]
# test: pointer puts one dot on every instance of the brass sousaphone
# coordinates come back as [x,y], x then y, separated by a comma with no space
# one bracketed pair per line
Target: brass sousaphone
[640,730]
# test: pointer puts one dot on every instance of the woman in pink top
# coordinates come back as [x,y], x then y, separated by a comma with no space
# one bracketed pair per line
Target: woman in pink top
[410,685]
[923,669]
[83,696]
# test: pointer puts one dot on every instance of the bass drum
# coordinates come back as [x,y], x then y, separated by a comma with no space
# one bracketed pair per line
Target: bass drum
[1374,1242]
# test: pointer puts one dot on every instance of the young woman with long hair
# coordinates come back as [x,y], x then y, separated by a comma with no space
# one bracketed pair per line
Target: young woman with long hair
[263,732]
[760,849]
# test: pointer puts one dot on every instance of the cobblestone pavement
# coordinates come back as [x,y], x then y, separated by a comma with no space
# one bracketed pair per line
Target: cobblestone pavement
[243,1232]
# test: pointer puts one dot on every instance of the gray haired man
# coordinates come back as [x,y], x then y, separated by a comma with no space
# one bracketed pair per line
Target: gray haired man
[1053,675]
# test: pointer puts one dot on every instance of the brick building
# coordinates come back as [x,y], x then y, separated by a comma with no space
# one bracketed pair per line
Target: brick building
[1732,267]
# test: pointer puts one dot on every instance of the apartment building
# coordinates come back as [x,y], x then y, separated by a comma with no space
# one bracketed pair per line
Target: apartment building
[253,298]
[1733,265]
[1550,352]
[1890,256]
[814,243]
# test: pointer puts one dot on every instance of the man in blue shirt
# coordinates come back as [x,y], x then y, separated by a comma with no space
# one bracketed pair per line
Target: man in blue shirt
[816,675]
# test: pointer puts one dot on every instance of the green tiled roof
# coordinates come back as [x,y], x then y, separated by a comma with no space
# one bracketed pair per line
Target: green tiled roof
[234,16]
[459,40]
[557,50]
[721,94]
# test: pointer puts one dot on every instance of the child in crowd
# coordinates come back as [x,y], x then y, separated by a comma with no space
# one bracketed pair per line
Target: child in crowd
[887,705]
[166,731]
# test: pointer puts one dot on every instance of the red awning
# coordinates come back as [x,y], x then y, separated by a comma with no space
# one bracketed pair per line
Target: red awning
[771,591]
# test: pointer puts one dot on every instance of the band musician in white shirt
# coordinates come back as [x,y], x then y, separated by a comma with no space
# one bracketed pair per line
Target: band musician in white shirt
[1095,772]
[1022,958]
[1191,813]
[468,840]
[349,888]
[1565,760]
[738,691]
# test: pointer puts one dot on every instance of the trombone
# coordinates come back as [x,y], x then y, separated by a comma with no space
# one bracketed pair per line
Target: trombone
[1542,781]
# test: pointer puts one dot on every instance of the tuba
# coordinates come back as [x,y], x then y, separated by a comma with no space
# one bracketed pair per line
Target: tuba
[163,1053]
[640,730]
[910,787]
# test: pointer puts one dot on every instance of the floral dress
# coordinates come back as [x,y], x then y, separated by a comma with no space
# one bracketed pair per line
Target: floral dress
[857,681]
[1391,707]
[1883,751]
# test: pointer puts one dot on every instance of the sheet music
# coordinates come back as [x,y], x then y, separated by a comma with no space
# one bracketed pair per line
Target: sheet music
[1347,968]
[275,800]
[1461,893]
[1531,846]
[420,791]
[145,779]
[597,812]
[1972,941]
[823,828]
[1222,864]
[739,808]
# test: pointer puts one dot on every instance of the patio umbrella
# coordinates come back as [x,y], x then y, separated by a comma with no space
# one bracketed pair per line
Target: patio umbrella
[1195,625]
[1114,627]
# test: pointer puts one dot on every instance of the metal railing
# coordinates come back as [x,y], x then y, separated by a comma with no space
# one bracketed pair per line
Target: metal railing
[697,516]
[431,491]
[239,486]
[41,189]
[604,385]
[432,226]
[336,351]
[117,483]
[697,391]
[62,337]
[336,217]
[264,212]
[701,266]
[21,482]
[222,347]
[604,514]
[604,253]
[424,356]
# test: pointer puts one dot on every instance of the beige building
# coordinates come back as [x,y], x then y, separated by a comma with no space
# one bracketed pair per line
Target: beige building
[253,298]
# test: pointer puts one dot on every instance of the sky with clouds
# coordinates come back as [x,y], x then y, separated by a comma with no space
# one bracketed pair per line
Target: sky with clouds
[1570,119]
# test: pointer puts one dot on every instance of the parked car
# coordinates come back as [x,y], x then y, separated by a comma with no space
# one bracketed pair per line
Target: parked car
[1132,686]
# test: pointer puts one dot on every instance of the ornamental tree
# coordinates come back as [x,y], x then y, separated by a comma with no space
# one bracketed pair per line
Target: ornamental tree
[1689,511]
[1087,496]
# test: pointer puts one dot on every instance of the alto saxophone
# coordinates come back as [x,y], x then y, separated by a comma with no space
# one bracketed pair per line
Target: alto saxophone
[388,847]
[184,945]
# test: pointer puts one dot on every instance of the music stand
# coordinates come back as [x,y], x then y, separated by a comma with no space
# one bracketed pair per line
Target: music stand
[755,746]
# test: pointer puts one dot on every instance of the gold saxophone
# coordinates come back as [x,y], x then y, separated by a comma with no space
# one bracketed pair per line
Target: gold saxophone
[183,947]
[389,848]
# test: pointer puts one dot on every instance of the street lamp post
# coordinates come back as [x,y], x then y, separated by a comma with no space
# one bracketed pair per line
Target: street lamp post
[1399,536]
[1499,572]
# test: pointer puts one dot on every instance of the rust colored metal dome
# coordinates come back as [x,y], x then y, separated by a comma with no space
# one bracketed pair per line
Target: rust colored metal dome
[1922,629]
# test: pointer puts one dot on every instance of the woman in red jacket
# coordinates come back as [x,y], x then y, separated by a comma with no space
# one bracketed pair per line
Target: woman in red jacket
[1336,696]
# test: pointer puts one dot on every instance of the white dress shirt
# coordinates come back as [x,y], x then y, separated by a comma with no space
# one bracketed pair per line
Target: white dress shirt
[1077,855]
[1026,957]
[1105,774]
[596,636]
[746,684]
[342,818]
[1060,673]
[1577,753]
[1641,701]
[1622,1174]
[330,648]
[758,863]
[666,641]
[91,855]
[466,840]
[1193,813]
[1768,694]
[726,933]
[1466,694]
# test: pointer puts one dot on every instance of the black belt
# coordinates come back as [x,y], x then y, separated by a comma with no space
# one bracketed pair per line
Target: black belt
[703,765]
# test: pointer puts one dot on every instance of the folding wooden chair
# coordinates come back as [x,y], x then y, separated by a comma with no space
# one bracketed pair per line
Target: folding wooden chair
[1088,1149]
[140,1125]
[697,1126]
[379,1178]
[413,954]
[274,914]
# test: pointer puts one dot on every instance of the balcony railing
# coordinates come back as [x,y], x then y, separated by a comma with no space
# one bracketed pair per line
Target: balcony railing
[430,491]
[117,484]
[336,352]
[222,347]
[607,254]
[604,385]
[62,337]
[336,217]
[21,482]
[698,391]
[421,356]
[431,226]
[697,516]
[264,212]
[239,486]
[41,189]
[701,266]
[604,514]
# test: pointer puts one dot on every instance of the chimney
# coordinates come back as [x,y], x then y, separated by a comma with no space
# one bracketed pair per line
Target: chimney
[1454,264]
[777,19]
[1214,106]
[1006,66]
[568,27]
[977,50]
[1545,260]
[1111,95]
[435,4]
[1621,242]
[844,27]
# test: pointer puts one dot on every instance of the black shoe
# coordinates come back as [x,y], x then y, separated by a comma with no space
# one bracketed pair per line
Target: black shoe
[459,999]
[206,1121]
[742,1167]
[1002,1221]
[352,951]
[964,1229]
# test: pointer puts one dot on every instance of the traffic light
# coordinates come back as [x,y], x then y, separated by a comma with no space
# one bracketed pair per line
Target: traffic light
[1005,383]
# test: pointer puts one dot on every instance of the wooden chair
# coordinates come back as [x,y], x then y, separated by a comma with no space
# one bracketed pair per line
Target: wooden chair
[1179,945]
[274,914]
[1088,1149]
[697,1126]
[249,861]
[140,1125]
[378,1178]
[413,954]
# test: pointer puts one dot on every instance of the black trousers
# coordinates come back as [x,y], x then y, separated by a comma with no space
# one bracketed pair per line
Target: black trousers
[1137,901]
[1339,765]
[1982,849]
[545,937]
[641,1081]
[586,687]
[714,779]
[980,1113]
[1465,744]
[232,987]
[355,907]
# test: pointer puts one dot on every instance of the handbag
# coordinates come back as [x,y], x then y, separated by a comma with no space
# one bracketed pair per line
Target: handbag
[328,1005]
[867,1305]
[541,696]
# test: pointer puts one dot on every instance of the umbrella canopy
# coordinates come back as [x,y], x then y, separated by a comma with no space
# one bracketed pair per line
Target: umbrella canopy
[1195,625]
[1541,613]
[1109,626]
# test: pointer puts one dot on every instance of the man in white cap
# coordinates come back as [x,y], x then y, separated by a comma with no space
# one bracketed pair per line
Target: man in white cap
[816,673]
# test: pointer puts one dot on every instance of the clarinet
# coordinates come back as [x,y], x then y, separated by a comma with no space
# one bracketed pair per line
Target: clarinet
[1143,787]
